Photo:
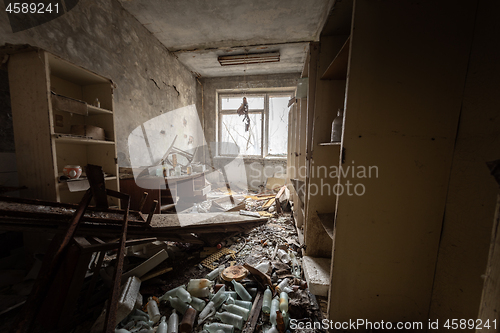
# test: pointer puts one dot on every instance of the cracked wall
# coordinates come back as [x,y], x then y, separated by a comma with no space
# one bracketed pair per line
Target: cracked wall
[104,38]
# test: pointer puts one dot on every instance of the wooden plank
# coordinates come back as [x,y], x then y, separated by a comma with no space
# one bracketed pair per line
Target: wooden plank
[309,118]
[97,185]
[49,210]
[254,314]
[136,193]
[110,322]
[338,68]
[52,262]
[11,302]
[490,302]
[305,69]
[268,203]
[29,92]
[302,114]
[187,221]
[327,220]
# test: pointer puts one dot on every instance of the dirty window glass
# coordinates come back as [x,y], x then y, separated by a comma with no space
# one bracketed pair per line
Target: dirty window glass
[233,103]
[268,127]
[278,125]
[233,131]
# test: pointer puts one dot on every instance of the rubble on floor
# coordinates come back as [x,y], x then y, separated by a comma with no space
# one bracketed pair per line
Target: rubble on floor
[252,282]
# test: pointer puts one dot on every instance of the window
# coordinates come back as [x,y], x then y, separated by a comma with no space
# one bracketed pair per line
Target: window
[267,133]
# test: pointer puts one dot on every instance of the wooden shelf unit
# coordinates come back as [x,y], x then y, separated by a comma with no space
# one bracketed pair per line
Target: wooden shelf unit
[43,129]
[393,249]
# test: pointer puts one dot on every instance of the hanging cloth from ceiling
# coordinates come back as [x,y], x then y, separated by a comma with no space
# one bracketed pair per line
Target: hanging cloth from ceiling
[243,111]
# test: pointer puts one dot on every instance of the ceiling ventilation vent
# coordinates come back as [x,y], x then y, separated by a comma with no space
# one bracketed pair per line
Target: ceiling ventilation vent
[244,59]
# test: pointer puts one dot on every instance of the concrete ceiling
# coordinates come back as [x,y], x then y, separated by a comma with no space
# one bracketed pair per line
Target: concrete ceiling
[198,31]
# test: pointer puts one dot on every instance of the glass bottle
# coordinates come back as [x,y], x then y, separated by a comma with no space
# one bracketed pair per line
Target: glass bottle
[171,292]
[282,285]
[244,304]
[241,291]
[266,303]
[286,319]
[219,297]
[214,327]
[183,295]
[173,322]
[230,318]
[295,265]
[197,303]
[199,287]
[238,310]
[215,273]
[153,311]
[283,255]
[178,305]
[280,323]
[207,312]
[337,126]
[263,267]
[275,304]
[283,302]
[232,294]
[187,323]
[162,328]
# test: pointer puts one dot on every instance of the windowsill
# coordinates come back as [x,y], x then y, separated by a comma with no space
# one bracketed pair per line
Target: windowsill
[253,158]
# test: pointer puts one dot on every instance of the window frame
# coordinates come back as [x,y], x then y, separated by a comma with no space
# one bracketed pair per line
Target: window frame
[267,94]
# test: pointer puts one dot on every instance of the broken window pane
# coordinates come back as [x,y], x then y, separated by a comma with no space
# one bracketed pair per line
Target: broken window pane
[233,103]
[278,125]
[233,131]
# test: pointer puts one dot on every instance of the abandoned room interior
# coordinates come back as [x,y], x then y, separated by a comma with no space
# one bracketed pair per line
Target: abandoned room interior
[249,166]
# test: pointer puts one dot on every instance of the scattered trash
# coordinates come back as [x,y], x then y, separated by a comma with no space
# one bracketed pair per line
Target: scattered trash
[251,281]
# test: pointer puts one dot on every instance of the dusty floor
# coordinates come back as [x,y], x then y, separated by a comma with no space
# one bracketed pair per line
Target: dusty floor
[257,245]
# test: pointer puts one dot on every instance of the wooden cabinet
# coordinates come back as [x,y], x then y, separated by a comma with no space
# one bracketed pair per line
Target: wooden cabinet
[183,191]
[401,92]
[62,115]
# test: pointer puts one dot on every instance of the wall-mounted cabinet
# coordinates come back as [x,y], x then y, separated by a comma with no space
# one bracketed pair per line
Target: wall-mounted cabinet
[62,115]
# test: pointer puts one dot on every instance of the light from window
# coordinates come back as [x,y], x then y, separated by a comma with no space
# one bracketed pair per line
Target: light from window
[278,125]
[268,131]
[233,103]
[233,130]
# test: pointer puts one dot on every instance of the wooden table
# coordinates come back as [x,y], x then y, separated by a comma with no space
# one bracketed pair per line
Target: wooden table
[181,190]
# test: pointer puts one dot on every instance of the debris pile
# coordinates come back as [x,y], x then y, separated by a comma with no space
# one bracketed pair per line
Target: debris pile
[251,283]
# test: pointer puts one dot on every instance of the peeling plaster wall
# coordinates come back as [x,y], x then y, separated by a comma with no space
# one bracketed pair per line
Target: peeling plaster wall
[104,38]
[257,170]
